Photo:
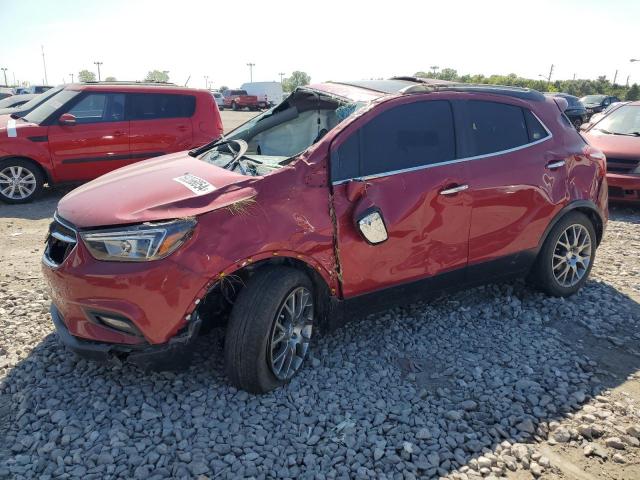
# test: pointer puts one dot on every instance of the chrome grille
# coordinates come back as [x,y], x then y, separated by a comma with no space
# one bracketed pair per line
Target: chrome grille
[622,165]
[61,240]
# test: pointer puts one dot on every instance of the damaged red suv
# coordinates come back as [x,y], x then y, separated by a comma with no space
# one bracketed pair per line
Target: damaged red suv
[341,198]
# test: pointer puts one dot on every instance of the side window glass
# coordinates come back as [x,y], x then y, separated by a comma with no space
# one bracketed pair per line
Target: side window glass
[151,106]
[99,107]
[495,127]
[411,135]
[534,127]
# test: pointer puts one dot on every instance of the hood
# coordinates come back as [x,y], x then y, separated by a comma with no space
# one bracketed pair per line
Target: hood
[171,186]
[11,127]
[615,146]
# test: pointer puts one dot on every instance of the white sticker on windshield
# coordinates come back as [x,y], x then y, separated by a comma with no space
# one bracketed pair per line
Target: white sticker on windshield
[11,128]
[197,185]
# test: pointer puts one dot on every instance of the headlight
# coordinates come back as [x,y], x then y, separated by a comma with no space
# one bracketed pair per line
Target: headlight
[138,243]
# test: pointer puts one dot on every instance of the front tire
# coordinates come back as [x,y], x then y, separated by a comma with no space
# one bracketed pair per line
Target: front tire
[566,258]
[269,329]
[21,181]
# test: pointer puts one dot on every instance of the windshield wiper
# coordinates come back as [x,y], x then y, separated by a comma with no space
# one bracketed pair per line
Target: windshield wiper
[603,131]
[208,146]
[242,149]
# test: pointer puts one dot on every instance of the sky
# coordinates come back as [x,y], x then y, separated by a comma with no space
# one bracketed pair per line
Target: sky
[330,40]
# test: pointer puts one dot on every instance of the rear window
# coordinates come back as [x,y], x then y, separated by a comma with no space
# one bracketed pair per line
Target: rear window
[150,106]
[494,127]
[238,92]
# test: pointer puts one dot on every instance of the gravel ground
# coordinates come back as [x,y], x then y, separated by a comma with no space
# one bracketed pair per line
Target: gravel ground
[498,381]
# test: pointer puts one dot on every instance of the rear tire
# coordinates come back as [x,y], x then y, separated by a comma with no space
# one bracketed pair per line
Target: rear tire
[566,257]
[577,123]
[21,181]
[259,330]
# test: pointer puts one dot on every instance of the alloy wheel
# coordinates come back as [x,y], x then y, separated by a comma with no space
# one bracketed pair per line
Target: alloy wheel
[572,255]
[291,334]
[17,183]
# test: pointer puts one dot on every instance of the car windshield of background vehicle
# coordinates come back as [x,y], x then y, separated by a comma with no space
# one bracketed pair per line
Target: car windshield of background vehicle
[41,113]
[592,99]
[35,101]
[623,121]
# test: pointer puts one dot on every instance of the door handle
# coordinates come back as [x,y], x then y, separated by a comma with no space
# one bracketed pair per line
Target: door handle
[454,190]
[182,128]
[555,165]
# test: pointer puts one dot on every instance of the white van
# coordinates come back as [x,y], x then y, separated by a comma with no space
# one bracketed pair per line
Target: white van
[271,92]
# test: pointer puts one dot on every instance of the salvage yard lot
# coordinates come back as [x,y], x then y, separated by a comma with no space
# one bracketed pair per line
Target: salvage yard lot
[483,382]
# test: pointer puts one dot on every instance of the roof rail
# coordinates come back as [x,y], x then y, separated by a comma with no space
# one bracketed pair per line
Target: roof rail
[128,82]
[517,92]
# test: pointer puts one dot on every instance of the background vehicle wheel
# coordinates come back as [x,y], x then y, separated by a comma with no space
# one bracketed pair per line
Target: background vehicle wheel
[234,106]
[20,181]
[565,260]
[269,329]
[221,107]
[576,123]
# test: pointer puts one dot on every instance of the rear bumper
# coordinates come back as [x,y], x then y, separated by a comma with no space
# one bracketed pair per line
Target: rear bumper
[174,354]
[624,187]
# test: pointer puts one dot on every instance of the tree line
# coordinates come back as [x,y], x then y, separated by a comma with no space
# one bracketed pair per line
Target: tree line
[578,87]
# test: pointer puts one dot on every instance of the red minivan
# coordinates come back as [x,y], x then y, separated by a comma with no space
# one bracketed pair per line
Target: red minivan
[87,130]
[346,196]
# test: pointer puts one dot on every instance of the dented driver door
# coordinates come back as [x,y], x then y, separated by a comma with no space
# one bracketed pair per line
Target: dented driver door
[400,198]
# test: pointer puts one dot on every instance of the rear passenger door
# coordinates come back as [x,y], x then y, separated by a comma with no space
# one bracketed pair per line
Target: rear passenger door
[517,183]
[399,160]
[160,123]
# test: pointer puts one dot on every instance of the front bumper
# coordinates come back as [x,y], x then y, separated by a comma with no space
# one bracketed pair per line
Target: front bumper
[174,354]
[624,187]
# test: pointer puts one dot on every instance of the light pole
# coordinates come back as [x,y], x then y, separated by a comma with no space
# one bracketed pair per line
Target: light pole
[4,70]
[44,65]
[71,77]
[434,68]
[281,76]
[98,64]
[206,82]
[251,65]
[615,77]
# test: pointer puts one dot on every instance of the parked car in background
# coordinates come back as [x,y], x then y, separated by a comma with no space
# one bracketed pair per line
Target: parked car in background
[597,103]
[240,99]
[87,130]
[219,99]
[617,134]
[269,92]
[575,111]
[33,100]
[14,101]
[346,195]
[5,92]
[33,89]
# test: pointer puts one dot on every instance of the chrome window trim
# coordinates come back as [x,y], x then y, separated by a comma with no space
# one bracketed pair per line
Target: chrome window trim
[457,160]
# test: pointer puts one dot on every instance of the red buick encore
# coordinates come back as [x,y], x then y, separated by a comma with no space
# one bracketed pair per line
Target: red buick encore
[86,130]
[345,196]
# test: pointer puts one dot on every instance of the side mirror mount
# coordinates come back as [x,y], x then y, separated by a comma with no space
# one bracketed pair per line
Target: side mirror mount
[67,119]
[371,226]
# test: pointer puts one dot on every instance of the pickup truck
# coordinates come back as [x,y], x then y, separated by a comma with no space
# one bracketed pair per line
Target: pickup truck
[239,99]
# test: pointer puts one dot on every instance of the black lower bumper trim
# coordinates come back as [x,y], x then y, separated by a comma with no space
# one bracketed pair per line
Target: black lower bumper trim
[174,354]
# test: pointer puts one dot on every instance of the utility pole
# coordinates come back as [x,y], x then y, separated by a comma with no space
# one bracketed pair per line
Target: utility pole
[627,85]
[433,69]
[98,64]
[206,82]
[44,65]
[71,77]
[251,65]
[549,78]
[14,79]
[574,77]
[281,76]
[4,70]
[615,77]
